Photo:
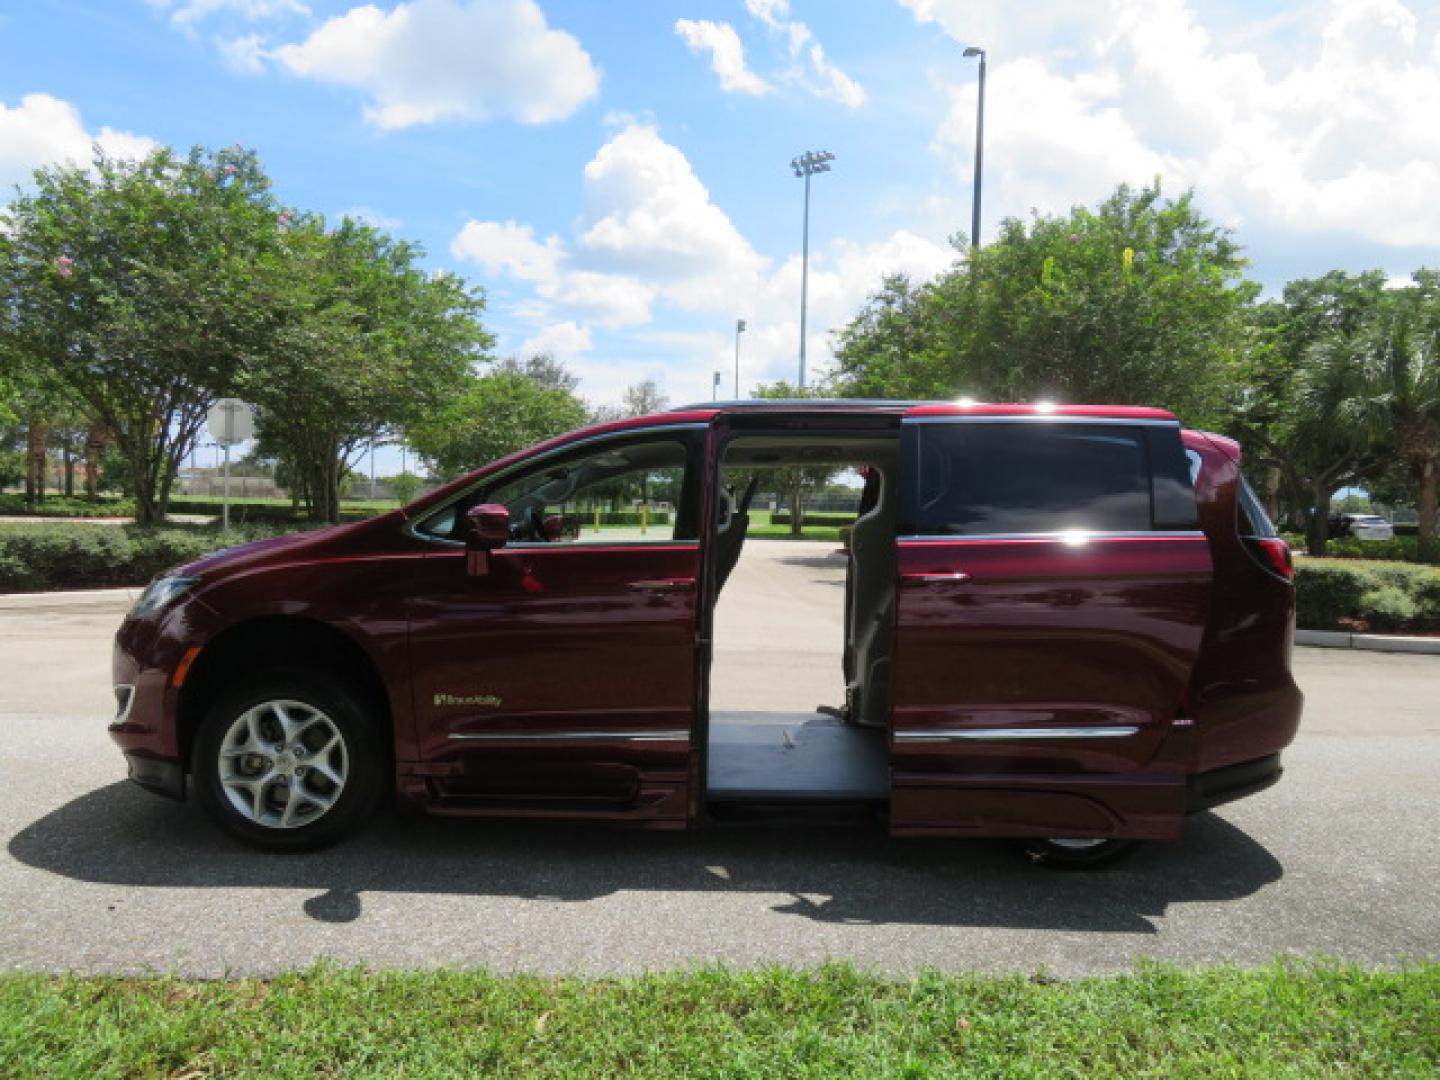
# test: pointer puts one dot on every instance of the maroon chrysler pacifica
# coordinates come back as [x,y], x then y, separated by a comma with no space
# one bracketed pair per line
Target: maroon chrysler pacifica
[1070,625]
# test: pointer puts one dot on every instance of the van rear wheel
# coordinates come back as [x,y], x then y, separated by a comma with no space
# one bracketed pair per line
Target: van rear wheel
[289,761]
[1063,853]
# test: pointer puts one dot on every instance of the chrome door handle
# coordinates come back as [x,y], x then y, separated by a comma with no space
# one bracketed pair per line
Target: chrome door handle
[955,577]
[663,585]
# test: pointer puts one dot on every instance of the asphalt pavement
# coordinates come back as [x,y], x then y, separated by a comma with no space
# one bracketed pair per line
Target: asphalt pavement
[96,875]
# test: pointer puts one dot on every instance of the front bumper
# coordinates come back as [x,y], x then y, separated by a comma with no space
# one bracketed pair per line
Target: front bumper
[160,775]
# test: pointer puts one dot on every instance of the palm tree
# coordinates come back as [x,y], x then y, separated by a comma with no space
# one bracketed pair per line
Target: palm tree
[1394,393]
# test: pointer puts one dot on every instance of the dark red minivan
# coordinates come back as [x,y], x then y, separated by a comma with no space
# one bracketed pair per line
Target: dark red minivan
[1070,625]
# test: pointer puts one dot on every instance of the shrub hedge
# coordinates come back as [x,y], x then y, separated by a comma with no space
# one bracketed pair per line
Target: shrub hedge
[39,558]
[1345,594]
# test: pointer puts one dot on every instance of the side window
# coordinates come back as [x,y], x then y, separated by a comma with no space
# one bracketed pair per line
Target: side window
[1251,519]
[626,491]
[978,479]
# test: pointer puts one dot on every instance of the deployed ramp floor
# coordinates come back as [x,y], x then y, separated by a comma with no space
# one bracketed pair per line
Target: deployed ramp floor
[795,756]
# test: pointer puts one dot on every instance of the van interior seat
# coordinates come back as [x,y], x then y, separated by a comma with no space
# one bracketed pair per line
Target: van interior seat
[870,610]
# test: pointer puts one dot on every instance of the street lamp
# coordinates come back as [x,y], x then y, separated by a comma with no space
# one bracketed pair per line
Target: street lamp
[715,388]
[975,50]
[739,329]
[807,165]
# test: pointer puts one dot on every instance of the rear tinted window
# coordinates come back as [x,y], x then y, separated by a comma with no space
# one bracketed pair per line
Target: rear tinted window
[999,478]
[1251,517]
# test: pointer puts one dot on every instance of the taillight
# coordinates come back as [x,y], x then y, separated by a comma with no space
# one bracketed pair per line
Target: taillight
[1274,554]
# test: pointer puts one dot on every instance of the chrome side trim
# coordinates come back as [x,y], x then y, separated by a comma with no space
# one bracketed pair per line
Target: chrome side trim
[1045,418]
[412,528]
[665,735]
[999,734]
[1064,536]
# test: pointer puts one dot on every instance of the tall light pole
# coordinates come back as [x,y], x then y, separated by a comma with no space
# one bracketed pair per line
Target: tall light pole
[807,165]
[975,50]
[739,329]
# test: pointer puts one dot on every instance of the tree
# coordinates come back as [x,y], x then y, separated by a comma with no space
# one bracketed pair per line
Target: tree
[795,481]
[1140,301]
[367,344]
[1393,390]
[643,399]
[542,368]
[495,415]
[1289,409]
[134,284]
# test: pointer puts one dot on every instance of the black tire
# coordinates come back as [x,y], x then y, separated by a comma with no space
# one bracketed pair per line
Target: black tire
[1062,855]
[349,714]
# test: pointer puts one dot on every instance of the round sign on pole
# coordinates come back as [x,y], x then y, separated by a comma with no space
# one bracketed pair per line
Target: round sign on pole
[230,421]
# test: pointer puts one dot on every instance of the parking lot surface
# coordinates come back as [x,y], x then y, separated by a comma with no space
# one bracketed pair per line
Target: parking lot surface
[97,875]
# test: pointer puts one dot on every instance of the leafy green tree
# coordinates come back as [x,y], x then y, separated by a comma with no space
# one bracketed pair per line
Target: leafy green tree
[134,284]
[542,368]
[644,399]
[1289,409]
[495,415]
[1140,301]
[368,344]
[1393,391]
[794,482]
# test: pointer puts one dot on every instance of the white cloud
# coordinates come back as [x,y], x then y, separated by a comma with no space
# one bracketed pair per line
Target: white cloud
[806,65]
[508,248]
[431,60]
[44,130]
[1336,133]
[652,238]
[245,54]
[727,55]
[562,340]
[834,83]
[189,12]
[646,210]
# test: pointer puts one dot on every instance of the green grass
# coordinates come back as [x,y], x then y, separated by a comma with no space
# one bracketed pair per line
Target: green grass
[13,504]
[1288,1020]
[762,527]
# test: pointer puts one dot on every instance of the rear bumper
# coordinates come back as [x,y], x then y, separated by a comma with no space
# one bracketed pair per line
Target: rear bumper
[160,775]
[1219,786]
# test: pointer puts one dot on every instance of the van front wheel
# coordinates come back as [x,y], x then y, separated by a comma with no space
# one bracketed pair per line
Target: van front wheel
[290,761]
[1063,853]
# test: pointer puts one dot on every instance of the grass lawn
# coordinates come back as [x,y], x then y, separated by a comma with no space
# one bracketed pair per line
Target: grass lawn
[1288,1020]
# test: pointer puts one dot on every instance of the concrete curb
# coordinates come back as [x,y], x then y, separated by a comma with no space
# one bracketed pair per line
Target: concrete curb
[1392,643]
[71,598]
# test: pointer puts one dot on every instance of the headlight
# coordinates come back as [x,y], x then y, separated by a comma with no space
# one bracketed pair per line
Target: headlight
[160,593]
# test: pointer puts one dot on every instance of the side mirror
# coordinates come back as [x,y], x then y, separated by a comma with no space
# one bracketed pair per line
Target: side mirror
[487,527]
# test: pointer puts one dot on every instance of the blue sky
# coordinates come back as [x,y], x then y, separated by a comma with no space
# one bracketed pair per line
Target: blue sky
[616,174]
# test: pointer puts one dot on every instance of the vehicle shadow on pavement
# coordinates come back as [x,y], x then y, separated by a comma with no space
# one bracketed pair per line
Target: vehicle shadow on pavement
[121,835]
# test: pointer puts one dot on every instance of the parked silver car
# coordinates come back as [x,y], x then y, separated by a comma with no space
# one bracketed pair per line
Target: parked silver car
[1367,527]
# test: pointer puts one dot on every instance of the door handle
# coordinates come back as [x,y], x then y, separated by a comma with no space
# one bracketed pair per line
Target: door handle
[949,577]
[663,585]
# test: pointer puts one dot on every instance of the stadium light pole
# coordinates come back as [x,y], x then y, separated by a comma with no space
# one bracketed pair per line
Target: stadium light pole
[807,165]
[975,50]
[739,329]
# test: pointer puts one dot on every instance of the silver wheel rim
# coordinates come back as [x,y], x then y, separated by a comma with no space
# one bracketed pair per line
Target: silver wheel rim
[1076,844]
[283,764]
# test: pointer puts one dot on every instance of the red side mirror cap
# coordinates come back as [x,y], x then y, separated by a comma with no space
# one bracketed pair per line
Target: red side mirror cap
[487,526]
